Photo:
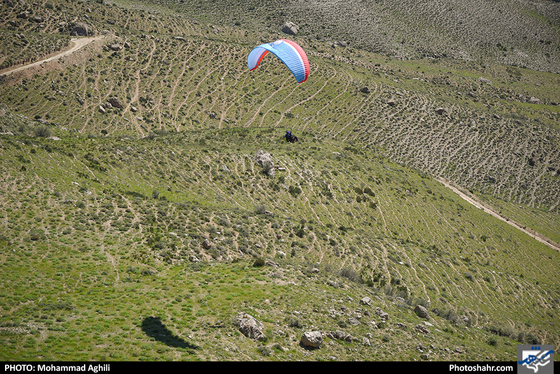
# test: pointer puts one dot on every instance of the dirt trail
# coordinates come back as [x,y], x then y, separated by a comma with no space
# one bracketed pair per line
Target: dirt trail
[486,208]
[78,43]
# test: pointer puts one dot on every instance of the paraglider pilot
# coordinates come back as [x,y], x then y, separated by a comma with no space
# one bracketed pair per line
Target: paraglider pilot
[291,138]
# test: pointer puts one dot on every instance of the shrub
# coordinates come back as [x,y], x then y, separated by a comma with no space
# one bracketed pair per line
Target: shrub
[294,191]
[295,323]
[42,132]
[350,274]
[258,262]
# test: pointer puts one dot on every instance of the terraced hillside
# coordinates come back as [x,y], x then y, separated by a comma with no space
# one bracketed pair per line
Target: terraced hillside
[135,215]
[114,240]
[497,131]
[522,33]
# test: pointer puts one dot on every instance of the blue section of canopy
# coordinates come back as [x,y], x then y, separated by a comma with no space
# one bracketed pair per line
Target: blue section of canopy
[288,52]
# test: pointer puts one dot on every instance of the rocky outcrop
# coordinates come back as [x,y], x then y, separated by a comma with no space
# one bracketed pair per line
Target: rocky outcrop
[82,29]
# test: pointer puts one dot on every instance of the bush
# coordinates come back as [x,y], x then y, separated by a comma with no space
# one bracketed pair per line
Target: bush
[350,274]
[258,262]
[42,132]
[294,191]
[295,323]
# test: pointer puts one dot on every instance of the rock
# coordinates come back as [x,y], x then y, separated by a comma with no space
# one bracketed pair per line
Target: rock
[115,47]
[206,244]
[365,301]
[422,329]
[484,80]
[340,335]
[101,109]
[265,160]
[422,312]
[534,100]
[440,111]
[249,326]
[353,321]
[81,29]
[312,339]
[366,342]
[290,28]
[333,284]
[365,90]
[271,264]
[116,102]
[383,315]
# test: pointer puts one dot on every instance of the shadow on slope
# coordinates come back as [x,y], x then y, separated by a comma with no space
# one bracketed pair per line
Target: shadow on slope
[154,328]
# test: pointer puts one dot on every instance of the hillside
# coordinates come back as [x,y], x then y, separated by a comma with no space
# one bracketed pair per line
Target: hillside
[136,222]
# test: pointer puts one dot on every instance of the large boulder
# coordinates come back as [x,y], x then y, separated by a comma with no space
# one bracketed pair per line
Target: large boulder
[249,326]
[422,312]
[290,28]
[312,339]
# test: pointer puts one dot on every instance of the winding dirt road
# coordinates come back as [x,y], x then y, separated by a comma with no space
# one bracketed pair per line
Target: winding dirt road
[78,43]
[486,208]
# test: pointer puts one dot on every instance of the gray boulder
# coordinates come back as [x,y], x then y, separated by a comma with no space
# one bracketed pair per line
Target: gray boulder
[340,335]
[312,339]
[249,326]
[422,312]
[290,28]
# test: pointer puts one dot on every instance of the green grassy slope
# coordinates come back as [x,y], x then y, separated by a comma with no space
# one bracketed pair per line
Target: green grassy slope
[91,253]
[132,234]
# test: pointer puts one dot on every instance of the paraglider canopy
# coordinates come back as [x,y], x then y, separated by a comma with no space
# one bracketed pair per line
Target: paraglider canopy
[289,52]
